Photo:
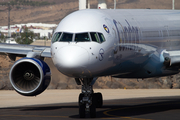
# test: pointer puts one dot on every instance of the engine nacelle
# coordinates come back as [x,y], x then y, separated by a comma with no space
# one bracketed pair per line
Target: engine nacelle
[30,76]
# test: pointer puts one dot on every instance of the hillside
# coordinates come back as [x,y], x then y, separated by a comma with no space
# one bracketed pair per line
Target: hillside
[58,9]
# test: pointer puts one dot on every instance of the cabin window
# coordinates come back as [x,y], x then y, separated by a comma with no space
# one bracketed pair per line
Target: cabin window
[66,37]
[94,37]
[82,37]
[101,37]
[56,37]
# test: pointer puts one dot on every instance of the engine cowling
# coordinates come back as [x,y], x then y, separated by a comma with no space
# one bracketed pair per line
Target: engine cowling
[30,76]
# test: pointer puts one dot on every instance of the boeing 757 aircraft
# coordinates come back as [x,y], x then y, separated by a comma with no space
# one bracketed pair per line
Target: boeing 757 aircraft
[88,44]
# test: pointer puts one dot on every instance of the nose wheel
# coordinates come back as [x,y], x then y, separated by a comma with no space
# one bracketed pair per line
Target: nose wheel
[88,100]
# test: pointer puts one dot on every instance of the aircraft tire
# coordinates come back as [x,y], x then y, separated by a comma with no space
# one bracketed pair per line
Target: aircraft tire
[99,100]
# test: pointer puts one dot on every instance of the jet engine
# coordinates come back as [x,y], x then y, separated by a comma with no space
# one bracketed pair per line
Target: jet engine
[30,76]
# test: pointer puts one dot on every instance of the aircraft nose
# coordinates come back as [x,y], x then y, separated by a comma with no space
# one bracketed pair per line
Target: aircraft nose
[73,60]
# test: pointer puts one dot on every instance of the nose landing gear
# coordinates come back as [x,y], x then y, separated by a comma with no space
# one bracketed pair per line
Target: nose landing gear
[88,100]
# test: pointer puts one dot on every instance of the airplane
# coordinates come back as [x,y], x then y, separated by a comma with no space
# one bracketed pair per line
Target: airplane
[87,44]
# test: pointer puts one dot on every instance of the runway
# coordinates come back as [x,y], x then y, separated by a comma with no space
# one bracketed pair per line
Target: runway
[166,106]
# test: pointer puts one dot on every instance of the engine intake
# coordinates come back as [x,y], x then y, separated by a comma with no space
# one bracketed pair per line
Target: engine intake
[30,76]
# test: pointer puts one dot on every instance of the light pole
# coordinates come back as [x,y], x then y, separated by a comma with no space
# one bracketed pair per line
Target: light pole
[173,3]
[114,4]
[9,31]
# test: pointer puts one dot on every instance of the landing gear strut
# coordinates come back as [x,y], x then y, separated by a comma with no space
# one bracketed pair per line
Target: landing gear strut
[88,100]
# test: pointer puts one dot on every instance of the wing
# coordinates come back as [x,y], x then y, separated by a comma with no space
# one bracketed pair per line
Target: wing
[17,50]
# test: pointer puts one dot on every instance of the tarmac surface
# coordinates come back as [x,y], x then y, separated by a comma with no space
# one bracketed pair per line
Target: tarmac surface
[134,104]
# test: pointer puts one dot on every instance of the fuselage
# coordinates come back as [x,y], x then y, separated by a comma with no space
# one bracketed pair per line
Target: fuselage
[120,43]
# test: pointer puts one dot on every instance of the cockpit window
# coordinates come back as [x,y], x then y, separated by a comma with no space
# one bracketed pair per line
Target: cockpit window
[101,37]
[82,37]
[78,37]
[56,37]
[66,37]
[94,37]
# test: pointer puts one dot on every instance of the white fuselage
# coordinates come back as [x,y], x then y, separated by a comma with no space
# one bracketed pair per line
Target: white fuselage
[135,41]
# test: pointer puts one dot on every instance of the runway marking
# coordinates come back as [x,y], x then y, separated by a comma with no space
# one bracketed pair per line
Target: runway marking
[33,116]
[129,118]
[106,112]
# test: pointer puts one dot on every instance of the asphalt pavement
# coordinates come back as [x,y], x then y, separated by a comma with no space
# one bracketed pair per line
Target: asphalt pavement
[151,104]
